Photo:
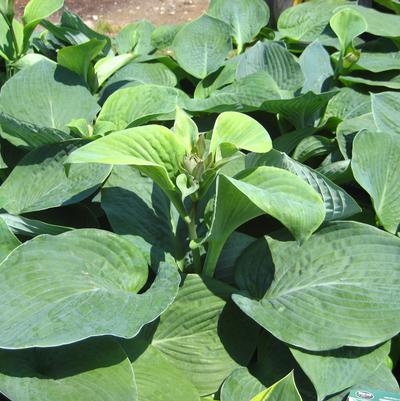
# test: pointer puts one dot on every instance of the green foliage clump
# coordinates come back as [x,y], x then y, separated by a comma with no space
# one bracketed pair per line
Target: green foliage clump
[207,211]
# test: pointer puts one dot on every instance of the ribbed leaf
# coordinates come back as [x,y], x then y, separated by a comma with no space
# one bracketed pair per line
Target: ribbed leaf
[163,36]
[284,389]
[338,203]
[29,135]
[137,105]
[201,46]
[8,241]
[302,111]
[138,209]
[140,73]
[31,228]
[202,334]
[47,90]
[245,94]
[107,66]
[241,386]
[384,109]
[246,17]
[274,59]
[334,371]
[379,23]
[313,146]
[152,148]
[307,21]
[53,291]
[263,190]
[381,378]
[35,11]
[347,130]
[316,65]
[337,289]
[389,79]
[135,38]
[241,131]
[347,104]
[375,165]
[78,58]
[347,24]
[91,370]
[39,180]
[379,61]
[158,379]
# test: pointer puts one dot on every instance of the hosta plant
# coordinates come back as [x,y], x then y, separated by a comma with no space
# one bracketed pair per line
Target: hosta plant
[198,212]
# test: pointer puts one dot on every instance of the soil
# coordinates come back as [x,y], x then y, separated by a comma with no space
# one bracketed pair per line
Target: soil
[121,12]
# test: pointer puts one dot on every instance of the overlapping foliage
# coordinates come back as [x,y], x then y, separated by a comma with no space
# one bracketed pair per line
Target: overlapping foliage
[200,212]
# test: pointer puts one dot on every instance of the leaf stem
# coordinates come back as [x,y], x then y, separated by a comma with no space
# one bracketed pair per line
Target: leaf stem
[213,253]
[193,237]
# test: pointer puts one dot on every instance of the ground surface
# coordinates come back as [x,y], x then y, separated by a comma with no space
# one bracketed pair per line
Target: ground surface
[121,12]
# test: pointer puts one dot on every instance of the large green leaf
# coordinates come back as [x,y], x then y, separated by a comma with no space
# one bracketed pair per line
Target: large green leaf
[201,46]
[317,69]
[284,389]
[312,147]
[135,38]
[348,129]
[107,66]
[157,378]
[338,203]
[203,334]
[163,36]
[288,141]
[375,165]
[31,228]
[381,378]
[274,361]
[347,24]
[27,135]
[334,371]
[53,291]
[233,248]
[243,95]
[140,73]
[73,31]
[241,131]
[138,209]
[263,190]
[78,58]
[47,90]
[241,385]
[390,4]
[274,59]
[337,289]
[379,23]
[8,241]
[39,180]
[302,111]
[92,370]
[307,21]
[347,104]
[246,17]
[385,111]
[388,79]
[35,11]
[154,149]
[7,50]
[217,80]
[7,8]
[379,61]
[137,105]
